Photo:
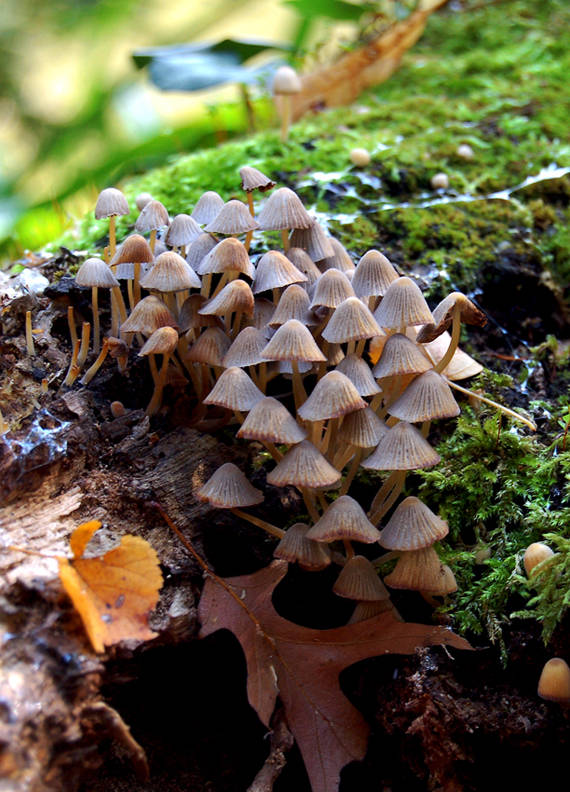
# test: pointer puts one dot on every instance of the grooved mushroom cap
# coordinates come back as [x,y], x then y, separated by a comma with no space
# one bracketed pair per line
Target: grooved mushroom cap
[344,519]
[402,305]
[233,218]
[134,250]
[448,582]
[147,316]
[339,260]
[331,289]
[295,547]
[208,207]
[401,356]
[94,272]
[402,448]
[228,488]
[358,372]
[293,304]
[253,179]
[460,366]
[417,570]
[293,341]
[443,315]
[313,240]
[554,682]
[190,319]
[373,275]
[163,341]
[351,321]
[263,310]
[358,580]
[246,349]
[301,259]
[152,217]
[171,273]
[428,396]
[274,270]
[182,231]
[200,248]
[235,296]
[234,390]
[333,395]
[111,202]
[413,526]
[210,348]
[286,81]
[304,466]
[283,209]
[269,421]
[229,255]
[363,428]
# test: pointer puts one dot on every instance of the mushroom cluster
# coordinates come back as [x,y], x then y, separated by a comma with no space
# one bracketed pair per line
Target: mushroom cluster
[330,365]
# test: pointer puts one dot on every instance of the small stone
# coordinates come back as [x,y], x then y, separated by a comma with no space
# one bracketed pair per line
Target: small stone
[360,157]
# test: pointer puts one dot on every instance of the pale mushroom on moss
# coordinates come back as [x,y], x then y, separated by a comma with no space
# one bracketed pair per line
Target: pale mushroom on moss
[286,82]
[111,204]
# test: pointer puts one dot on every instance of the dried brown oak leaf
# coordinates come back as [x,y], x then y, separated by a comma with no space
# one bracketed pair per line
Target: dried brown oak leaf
[113,593]
[302,665]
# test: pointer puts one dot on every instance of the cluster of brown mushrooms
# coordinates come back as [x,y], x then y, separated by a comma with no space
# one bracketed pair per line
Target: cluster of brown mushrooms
[358,365]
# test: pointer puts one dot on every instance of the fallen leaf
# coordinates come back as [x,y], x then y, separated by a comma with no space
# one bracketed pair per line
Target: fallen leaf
[113,593]
[302,665]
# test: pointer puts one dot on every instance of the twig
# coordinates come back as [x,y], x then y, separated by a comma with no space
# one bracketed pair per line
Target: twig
[281,742]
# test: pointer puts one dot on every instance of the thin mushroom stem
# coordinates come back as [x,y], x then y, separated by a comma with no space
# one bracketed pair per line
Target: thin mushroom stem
[74,368]
[426,426]
[491,403]
[299,393]
[152,240]
[376,402]
[279,533]
[92,370]
[384,558]
[348,549]
[355,464]
[29,337]
[360,347]
[95,311]
[455,333]
[285,116]
[383,491]
[116,293]
[309,498]
[84,348]
[277,455]
[156,400]
[385,507]
[71,325]
[112,235]
[285,239]
[136,284]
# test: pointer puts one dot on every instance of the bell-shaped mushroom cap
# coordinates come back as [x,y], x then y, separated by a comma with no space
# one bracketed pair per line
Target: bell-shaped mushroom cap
[246,349]
[142,199]
[208,207]
[275,270]
[210,348]
[235,296]
[228,488]
[332,288]
[233,218]
[339,260]
[269,421]
[344,519]
[200,248]
[183,230]
[147,316]
[373,275]
[229,255]
[461,364]
[296,548]
[401,356]
[351,321]
[283,209]
[534,555]
[190,319]
[554,682]
[427,397]
[402,305]
[94,272]
[234,390]
[358,372]
[111,202]
[134,250]
[368,610]
[413,526]
[363,428]
[263,310]
[448,582]
[417,570]
[286,81]
[359,581]
[443,315]
[253,179]
[293,304]
[313,240]
[163,341]
[171,273]
[304,263]
[402,448]
[152,217]
[333,395]
[304,466]
[293,341]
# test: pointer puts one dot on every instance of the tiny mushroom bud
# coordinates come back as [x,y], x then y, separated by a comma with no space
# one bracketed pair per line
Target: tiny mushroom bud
[440,181]
[285,82]
[360,157]
[554,682]
[534,555]
[465,151]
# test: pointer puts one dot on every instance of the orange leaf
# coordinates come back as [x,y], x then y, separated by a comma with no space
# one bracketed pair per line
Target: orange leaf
[114,593]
